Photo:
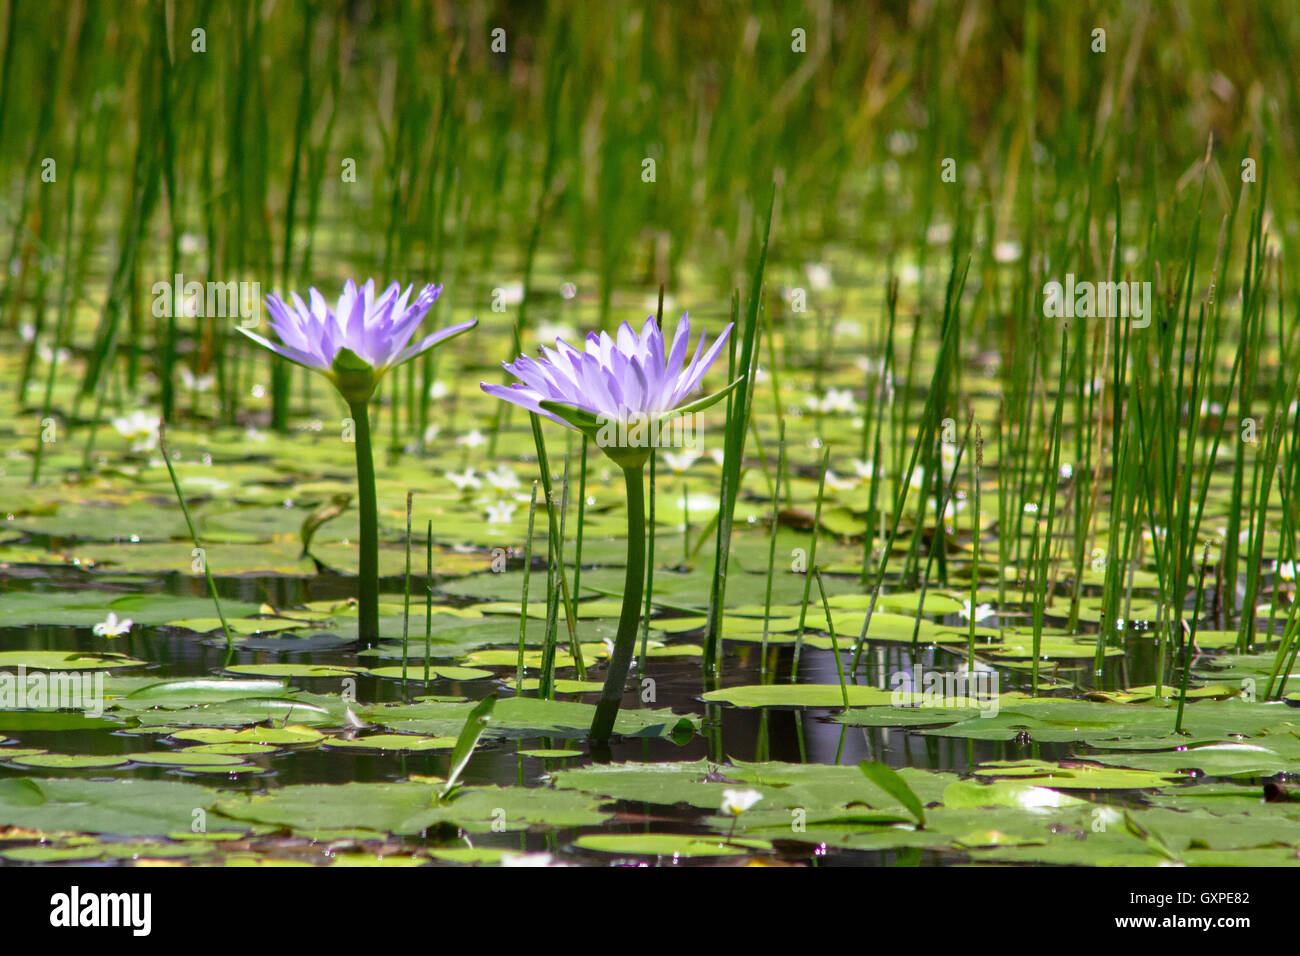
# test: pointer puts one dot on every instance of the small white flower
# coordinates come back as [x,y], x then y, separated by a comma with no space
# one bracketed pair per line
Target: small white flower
[501,512]
[502,478]
[140,429]
[863,469]
[472,440]
[511,294]
[1286,570]
[44,353]
[839,400]
[568,290]
[939,233]
[679,463]
[438,390]
[819,275]
[113,627]
[836,400]
[465,480]
[980,613]
[901,142]
[698,504]
[718,456]
[1006,252]
[736,802]
[196,383]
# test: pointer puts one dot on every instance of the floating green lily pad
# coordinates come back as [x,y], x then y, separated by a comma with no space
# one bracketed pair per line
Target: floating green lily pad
[254,735]
[1077,776]
[66,661]
[799,695]
[677,846]
[185,758]
[550,753]
[415,671]
[391,742]
[293,670]
[50,761]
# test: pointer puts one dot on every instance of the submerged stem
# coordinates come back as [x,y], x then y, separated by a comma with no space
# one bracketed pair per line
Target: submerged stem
[625,642]
[368,571]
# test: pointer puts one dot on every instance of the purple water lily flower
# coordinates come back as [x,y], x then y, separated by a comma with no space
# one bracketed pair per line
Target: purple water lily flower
[354,346]
[363,333]
[627,379]
[620,378]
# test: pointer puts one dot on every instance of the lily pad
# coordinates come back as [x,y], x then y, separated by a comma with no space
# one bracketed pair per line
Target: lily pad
[66,661]
[391,742]
[50,761]
[799,695]
[673,845]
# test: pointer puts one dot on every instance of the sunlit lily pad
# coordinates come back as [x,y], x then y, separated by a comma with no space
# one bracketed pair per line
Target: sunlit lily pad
[799,695]
[286,736]
[234,750]
[127,806]
[1215,760]
[201,690]
[415,671]
[96,850]
[530,716]
[237,625]
[185,758]
[66,661]
[293,670]
[391,742]
[562,685]
[553,753]
[1077,776]
[675,846]
[69,761]
[410,808]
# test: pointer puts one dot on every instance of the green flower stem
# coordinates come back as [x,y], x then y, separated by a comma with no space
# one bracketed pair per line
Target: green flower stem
[368,588]
[625,642]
